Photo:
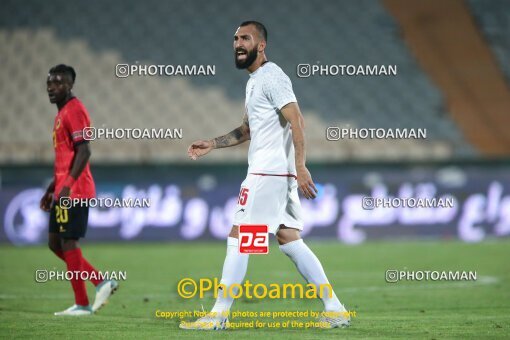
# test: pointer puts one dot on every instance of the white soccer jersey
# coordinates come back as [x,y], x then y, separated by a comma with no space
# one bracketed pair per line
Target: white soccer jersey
[271,147]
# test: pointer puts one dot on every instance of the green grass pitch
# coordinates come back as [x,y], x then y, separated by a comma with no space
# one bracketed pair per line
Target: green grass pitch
[429,310]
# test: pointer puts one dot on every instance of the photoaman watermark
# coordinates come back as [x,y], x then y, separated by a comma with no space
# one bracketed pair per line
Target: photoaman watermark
[188,288]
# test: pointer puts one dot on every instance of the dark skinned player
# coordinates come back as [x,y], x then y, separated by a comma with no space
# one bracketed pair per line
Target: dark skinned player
[72,178]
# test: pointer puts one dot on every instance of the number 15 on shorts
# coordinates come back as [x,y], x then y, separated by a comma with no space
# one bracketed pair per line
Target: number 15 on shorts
[253,239]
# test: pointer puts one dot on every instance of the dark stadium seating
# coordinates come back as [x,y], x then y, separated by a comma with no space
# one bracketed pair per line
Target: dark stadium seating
[94,36]
[494,19]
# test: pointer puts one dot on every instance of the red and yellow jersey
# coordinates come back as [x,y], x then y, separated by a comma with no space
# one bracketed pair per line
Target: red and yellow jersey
[67,133]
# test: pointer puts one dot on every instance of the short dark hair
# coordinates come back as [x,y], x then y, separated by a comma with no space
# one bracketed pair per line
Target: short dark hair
[259,26]
[64,69]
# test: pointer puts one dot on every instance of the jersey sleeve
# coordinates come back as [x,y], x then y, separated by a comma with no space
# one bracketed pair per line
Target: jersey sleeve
[278,89]
[76,121]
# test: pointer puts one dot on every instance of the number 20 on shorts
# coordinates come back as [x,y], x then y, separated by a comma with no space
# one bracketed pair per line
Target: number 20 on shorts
[62,215]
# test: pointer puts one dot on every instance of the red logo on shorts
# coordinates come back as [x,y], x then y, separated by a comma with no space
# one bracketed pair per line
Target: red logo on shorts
[253,239]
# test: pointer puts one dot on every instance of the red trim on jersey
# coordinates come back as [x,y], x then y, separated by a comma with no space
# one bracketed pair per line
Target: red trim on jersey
[285,175]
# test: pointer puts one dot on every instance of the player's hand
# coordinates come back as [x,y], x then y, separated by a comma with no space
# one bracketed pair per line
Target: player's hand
[46,201]
[306,184]
[199,149]
[65,192]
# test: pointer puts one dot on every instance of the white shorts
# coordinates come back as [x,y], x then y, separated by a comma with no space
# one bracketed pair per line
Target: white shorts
[271,200]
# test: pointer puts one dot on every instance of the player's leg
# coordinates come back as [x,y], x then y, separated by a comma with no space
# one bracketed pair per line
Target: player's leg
[54,240]
[72,225]
[55,245]
[312,271]
[73,259]
[104,288]
[234,270]
[60,228]
[306,262]
[234,266]
[258,204]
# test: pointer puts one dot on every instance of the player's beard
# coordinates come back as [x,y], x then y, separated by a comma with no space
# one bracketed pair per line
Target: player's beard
[250,58]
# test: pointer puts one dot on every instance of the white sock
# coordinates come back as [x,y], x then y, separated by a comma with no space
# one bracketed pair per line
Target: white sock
[234,270]
[311,269]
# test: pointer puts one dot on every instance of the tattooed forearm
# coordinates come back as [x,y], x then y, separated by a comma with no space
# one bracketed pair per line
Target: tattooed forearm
[234,137]
[231,138]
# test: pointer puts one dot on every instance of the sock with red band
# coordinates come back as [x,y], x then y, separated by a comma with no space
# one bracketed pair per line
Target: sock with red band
[93,274]
[86,267]
[73,260]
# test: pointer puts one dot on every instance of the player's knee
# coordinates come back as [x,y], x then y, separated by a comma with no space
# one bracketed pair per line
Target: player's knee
[234,232]
[287,235]
[69,244]
[282,239]
[54,247]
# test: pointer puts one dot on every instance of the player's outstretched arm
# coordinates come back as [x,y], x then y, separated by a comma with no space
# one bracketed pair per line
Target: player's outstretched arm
[293,115]
[235,137]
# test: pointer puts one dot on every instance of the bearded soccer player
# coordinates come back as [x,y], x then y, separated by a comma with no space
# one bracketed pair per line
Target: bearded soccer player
[274,124]
[72,178]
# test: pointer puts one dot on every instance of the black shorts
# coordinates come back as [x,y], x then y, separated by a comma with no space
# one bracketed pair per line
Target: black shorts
[69,223]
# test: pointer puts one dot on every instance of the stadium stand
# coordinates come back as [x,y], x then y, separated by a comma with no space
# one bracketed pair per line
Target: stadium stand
[94,36]
[494,19]
[449,46]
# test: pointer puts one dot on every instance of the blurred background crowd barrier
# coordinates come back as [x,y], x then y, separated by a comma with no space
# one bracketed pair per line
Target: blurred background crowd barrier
[198,203]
